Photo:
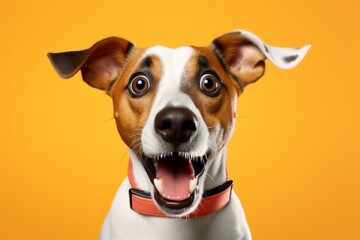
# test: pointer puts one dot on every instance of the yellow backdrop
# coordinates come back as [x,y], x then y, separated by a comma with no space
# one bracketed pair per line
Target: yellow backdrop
[295,153]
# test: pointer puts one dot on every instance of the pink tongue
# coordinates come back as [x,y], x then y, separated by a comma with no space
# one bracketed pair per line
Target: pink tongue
[175,175]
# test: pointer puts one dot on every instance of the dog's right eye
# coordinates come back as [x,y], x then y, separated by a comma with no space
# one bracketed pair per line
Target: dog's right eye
[139,86]
[210,85]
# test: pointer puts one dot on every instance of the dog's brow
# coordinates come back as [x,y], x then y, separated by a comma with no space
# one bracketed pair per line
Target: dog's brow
[203,65]
[203,62]
[146,62]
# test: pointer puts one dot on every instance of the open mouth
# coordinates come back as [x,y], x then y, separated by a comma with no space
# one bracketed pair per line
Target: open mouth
[175,177]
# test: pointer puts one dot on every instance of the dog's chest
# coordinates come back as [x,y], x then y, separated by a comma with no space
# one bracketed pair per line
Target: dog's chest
[123,224]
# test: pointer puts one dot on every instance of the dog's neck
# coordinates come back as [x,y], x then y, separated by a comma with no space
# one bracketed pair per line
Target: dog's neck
[215,176]
[217,173]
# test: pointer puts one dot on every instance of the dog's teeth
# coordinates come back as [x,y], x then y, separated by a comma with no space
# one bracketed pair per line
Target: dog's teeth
[158,185]
[156,164]
[192,184]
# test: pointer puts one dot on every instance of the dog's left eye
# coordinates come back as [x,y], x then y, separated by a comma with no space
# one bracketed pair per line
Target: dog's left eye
[139,86]
[209,84]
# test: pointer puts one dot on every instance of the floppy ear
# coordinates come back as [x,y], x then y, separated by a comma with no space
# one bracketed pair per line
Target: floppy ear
[245,54]
[99,65]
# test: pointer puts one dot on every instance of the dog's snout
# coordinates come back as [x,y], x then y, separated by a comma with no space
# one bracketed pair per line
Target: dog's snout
[175,125]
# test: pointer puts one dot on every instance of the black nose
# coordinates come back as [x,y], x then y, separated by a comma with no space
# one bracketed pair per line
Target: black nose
[175,125]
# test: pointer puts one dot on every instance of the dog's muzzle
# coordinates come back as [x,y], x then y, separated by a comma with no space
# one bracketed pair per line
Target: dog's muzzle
[175,172]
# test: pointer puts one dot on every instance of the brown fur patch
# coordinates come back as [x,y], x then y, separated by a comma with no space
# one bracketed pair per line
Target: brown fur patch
[131,113]
[217,110]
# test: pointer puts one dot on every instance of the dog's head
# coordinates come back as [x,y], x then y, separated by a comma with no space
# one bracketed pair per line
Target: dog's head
[175,108]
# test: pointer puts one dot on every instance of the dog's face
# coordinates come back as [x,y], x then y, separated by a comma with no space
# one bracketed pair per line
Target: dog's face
[175,108]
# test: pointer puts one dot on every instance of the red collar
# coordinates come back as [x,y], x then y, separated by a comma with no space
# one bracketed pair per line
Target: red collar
[212,201]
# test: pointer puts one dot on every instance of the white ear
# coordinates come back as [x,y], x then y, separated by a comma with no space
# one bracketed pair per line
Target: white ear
[284,58]
[245,54]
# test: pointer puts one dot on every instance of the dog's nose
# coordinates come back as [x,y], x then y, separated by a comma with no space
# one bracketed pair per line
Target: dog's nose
[175,125]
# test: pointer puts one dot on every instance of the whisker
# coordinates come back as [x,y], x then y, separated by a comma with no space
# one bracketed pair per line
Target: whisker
[207,174]
[241,116]
[107,120]
[123,156]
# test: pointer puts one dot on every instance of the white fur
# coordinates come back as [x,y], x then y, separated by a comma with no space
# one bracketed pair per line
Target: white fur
[169,94]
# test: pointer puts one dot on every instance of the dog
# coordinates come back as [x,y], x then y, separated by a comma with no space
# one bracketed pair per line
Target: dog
[175,109]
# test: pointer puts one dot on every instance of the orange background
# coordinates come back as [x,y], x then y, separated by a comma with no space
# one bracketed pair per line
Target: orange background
[295,152]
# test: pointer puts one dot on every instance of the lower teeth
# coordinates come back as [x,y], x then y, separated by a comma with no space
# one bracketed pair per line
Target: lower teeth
[192,184]
[158,185]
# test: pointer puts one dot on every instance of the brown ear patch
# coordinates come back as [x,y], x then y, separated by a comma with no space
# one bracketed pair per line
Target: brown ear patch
[99,65]
[243,59]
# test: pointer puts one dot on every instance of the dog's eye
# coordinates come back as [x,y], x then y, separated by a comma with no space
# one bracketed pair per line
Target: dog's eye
[209,84]
[139,86]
